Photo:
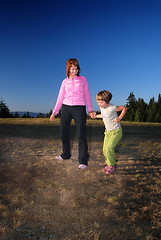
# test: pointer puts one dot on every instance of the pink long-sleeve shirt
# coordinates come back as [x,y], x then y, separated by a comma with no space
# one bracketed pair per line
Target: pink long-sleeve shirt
[74,91]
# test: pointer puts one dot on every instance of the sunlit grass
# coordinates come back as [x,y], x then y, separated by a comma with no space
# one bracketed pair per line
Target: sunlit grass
[46,121]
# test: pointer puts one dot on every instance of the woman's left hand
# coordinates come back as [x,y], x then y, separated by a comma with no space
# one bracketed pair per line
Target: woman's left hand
[92,115]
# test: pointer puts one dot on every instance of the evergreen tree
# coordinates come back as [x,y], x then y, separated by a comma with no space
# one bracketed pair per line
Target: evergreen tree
[150,117]
[131,105]
[16,115]
[141,107]
[4,110]
[158,116]
[137,115]
[49,114]
[152,110]
[159,100]
[28,115]
[140,111]
[41,115]
[24,115]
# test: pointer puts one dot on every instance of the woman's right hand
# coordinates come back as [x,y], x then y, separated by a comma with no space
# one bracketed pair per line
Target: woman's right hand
[52,117]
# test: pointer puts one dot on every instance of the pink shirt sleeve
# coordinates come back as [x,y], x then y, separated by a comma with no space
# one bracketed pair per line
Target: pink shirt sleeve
[88,97]
[60,99]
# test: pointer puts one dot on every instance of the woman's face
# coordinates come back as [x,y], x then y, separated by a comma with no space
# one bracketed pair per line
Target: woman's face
[73,71]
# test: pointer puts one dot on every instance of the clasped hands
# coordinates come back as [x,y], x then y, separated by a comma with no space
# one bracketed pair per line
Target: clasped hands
[92,115]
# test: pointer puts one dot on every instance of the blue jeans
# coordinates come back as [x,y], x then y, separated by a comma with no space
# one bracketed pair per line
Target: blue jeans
[111,139]
[78,113]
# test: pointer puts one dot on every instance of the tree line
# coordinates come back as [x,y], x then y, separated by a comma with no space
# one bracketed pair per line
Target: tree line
[5,112]
[138,110]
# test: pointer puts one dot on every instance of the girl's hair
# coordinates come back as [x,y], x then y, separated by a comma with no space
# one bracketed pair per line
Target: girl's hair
[69,63]
[104,96]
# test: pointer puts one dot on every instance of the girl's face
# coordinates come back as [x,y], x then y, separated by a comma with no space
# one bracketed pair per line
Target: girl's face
[73,71]
[102,103]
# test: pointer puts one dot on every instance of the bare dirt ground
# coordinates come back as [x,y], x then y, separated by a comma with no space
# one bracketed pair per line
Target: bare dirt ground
[45,199]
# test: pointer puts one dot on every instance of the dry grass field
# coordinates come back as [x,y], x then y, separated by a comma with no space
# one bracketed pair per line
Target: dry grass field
[45,199]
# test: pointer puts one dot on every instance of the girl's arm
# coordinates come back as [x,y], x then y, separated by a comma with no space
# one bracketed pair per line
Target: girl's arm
[99,116]
[123,111]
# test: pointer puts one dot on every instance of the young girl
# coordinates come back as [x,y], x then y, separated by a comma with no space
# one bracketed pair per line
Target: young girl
[113,132]
[72,100]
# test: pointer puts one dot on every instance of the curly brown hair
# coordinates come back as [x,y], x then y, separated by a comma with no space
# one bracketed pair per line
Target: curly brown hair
[69,63]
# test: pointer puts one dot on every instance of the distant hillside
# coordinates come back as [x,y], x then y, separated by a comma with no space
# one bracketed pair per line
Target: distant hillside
[31,114]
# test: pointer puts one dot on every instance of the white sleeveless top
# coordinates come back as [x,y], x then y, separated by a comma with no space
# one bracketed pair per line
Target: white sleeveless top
[108,115]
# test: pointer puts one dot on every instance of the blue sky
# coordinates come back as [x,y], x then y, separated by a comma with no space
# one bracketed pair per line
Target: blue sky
[117,43]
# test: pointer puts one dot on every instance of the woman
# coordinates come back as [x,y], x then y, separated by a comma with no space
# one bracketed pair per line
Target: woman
[72,99]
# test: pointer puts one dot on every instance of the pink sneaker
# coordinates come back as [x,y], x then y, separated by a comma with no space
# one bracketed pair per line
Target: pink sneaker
[105,168]
[110,170]
[82,166]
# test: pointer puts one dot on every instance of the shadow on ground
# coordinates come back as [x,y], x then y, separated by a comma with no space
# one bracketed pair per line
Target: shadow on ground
[45,199]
